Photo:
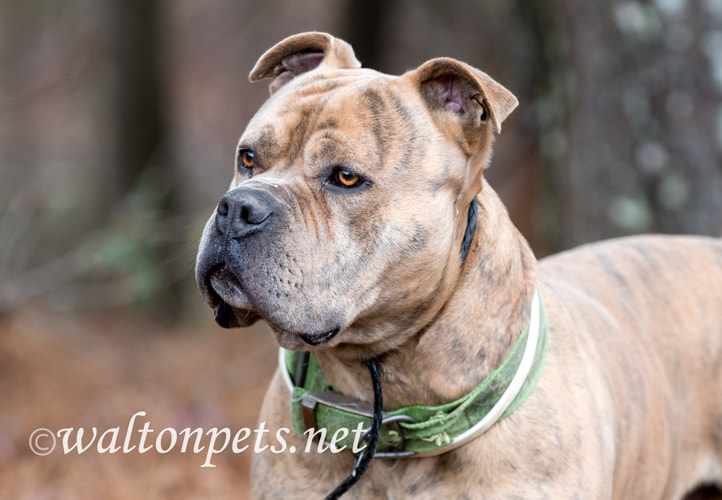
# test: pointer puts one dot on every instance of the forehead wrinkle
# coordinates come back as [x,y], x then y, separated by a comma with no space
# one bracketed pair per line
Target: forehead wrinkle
[328,150]
[299,121]
[335,138]
[332,106]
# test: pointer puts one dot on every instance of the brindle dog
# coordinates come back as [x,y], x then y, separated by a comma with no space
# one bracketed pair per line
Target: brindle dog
[342,229]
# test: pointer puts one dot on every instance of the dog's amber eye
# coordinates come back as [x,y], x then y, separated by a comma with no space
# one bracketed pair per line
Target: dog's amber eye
[342,178]
[345,178]
[247,158]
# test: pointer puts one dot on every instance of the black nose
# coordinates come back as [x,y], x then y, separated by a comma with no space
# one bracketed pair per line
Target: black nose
[243,211]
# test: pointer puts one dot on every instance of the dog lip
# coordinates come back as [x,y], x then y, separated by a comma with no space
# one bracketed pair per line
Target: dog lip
[219,288]
[223,287]
[228,317]
[318,338]
[209,293]
[224,315]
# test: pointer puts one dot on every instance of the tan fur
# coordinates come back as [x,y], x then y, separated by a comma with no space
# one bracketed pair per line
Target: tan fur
[628,405]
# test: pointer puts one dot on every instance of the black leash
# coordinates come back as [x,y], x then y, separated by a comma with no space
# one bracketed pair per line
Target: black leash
[364,458]
[470,228]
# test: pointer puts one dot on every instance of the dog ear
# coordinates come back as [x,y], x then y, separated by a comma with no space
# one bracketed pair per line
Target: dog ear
[473,95]
[469,107]
[300,53]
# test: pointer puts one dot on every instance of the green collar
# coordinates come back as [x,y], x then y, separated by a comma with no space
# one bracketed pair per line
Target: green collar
[421,431]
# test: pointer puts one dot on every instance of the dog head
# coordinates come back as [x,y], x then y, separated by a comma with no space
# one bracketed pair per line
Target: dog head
[344,218]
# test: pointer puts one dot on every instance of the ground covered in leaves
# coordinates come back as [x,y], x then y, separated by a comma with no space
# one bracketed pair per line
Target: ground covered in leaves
[57,373]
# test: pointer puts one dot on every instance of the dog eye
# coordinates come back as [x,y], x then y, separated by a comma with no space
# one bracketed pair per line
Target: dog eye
[345,178]
[246,158]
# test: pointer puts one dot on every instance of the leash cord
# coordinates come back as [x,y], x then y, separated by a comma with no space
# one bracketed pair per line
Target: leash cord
[470,228]
[364,458]
[301,368]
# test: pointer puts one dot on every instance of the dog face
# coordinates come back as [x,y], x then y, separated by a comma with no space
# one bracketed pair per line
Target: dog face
[344,219]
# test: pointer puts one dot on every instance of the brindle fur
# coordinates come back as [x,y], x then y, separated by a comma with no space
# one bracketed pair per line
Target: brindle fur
[629,403]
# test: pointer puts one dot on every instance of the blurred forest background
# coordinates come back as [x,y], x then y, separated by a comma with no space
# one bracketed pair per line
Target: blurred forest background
[118,124]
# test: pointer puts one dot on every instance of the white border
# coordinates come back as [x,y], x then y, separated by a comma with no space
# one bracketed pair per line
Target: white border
[284,370]
[509,395]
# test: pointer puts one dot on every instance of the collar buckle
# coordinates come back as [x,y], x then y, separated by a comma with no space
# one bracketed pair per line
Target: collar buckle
[334,400]
[338,401]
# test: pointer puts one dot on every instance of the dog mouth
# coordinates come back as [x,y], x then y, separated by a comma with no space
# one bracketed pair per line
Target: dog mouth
[224,293]
[317,339]
[221,290]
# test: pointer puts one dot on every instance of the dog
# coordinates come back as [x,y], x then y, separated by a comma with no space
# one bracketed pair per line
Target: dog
[360,227]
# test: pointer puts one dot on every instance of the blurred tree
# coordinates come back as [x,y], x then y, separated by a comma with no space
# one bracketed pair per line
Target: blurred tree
[87,178]
[619,128]
[364,26]
[630,128]
[138,96]
[141,167]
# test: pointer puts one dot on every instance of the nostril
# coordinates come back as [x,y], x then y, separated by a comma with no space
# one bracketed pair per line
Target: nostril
[241,212]
[253,213]
[222,209]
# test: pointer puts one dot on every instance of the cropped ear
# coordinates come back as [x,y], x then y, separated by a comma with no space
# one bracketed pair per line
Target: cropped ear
[471,93]
[300,53]
[469,107]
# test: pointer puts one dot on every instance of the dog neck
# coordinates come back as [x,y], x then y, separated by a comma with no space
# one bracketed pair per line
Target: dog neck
[473,331]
